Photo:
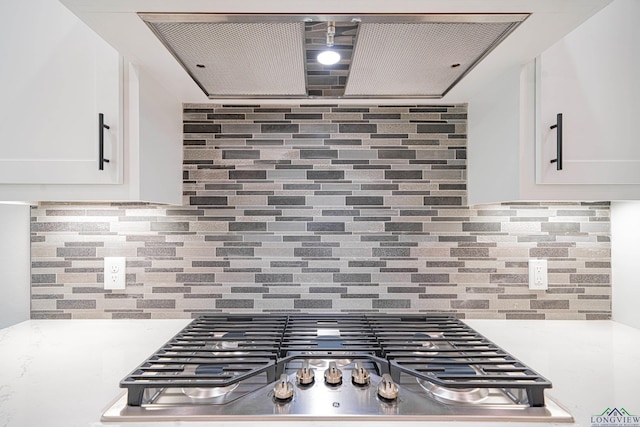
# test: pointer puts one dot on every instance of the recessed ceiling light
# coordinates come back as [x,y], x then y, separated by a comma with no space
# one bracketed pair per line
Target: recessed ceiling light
[328,57]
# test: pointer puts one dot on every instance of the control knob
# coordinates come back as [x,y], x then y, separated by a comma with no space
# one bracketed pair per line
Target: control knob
[305,375]
[387,389]
[283,390]
[333,375]
[359,375]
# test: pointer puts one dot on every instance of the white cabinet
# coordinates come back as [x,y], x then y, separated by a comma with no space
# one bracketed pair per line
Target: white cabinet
[151,155]
[56,76]
[591,77]
[510,143]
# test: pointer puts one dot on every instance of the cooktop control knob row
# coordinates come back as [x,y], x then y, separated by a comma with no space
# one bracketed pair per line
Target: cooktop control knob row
[283,390]
[387,389]
[305,375]
[333,375]
[359,375]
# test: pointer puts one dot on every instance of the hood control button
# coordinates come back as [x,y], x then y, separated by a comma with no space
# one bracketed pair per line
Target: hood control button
[360,376]
[305,375]
[333,375]
[283,390]
[387,389]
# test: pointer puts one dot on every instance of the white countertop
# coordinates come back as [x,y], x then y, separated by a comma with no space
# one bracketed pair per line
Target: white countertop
[65,372]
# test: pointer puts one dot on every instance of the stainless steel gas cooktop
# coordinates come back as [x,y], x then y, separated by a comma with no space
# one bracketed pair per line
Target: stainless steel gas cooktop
[333,367]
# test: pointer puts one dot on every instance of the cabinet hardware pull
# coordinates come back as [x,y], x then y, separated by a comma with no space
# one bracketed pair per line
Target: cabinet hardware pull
[558,159]
[101,128]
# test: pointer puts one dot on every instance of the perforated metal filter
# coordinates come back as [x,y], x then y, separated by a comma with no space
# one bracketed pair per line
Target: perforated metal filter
[239,59]
[418,59]
[395,56]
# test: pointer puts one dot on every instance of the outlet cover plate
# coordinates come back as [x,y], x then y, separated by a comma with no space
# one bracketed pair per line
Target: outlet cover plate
[114,272]
[538,277]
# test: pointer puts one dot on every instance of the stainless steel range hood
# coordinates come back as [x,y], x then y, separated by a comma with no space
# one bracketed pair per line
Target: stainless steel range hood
[390,56]
[272,56]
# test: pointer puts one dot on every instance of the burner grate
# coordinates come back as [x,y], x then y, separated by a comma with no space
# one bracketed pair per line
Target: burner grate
[218,351]
[327,334]
[212,351]
[448,353]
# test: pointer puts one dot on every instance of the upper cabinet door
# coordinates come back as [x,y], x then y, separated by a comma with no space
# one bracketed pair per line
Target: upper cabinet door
[591,78]
[56,77]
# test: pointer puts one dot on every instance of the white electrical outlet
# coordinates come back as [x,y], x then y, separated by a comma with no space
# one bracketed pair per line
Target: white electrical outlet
[538,279]
[114,272]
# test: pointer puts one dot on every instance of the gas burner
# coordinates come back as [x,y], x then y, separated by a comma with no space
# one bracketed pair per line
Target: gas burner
[329,339]
[450,394]
[227,343]
[424,340]
[324,363]
[206,392]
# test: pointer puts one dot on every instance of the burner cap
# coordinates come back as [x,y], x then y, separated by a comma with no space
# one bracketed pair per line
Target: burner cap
[210,369]
[231,340]
[460,369]
[450,394]
[207,369]
[323,344]
[234,335]
[330,342]
[208,392]
[425,343]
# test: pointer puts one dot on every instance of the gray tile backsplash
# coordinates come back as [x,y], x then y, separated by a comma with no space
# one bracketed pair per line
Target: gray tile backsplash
[322,208]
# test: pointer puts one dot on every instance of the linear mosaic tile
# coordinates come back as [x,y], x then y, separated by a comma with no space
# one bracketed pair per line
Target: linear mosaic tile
[322,208]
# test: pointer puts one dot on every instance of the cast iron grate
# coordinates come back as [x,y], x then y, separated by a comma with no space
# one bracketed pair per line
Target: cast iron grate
[222,350]
[212,351]
[329,335]
[435,348]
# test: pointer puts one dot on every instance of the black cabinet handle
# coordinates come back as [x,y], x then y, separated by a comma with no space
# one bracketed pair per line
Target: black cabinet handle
[101,128]
[558,125]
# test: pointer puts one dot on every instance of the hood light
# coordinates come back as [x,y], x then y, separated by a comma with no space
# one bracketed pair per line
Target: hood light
[328,57]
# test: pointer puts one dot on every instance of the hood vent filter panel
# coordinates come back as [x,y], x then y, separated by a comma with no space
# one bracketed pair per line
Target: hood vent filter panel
[418,59]
[383,56]
[239,59]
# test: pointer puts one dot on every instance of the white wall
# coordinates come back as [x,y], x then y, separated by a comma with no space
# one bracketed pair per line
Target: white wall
[625,262]
[15,264]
